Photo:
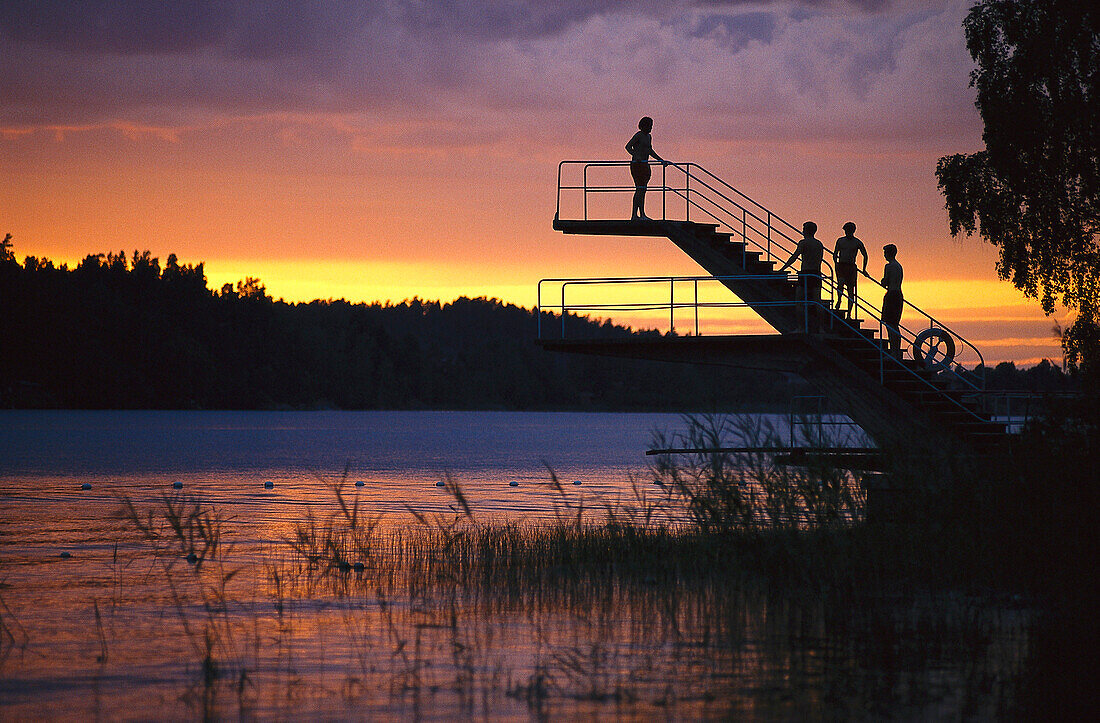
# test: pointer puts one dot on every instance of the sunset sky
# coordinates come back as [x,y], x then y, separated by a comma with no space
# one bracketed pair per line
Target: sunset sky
[392,149]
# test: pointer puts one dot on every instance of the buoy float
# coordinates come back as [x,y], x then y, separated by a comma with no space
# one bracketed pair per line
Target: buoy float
[360,483]
[359,566]
[192,558]
[177,485]
[66,555]
[513,483]
[86,486]
[440,483]
[576,481]
[268,484]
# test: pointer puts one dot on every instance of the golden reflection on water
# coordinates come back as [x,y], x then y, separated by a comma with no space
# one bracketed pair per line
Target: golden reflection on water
[127,627]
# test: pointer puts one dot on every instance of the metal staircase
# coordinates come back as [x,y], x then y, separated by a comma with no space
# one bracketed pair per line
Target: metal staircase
[740,244]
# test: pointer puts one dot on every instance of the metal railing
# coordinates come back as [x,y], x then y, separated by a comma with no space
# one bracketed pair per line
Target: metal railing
[814,315]
[808,413]
[672,304]
[689,192]
[1016,409]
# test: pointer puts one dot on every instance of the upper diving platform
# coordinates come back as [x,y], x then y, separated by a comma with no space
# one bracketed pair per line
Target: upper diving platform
[741,244]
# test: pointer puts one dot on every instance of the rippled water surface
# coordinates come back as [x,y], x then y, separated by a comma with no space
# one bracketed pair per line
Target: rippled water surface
[102,614]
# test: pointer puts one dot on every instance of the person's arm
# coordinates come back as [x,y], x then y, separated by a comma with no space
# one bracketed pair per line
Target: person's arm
[788,262]
[863,250]
[836,252]
[632,143]
[887,272]
[654,154]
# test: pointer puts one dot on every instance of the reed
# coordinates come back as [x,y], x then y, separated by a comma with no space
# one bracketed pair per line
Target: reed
[672,602]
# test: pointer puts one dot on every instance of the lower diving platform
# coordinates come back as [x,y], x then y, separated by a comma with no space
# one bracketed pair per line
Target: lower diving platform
[769,352]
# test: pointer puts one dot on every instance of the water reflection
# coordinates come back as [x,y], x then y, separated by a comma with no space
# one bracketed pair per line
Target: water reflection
[272,618]
[260,626]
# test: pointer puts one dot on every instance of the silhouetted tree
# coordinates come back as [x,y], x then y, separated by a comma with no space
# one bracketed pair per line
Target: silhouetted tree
[6,254]
[1034,191]
[121,331]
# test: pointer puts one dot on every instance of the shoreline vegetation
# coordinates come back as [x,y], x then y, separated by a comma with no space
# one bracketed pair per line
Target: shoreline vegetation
[725,585]
[119,332]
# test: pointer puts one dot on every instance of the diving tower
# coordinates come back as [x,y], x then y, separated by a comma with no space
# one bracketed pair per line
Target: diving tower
[739,243]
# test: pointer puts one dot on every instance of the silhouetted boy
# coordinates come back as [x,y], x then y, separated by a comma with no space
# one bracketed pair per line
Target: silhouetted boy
[893,301]
[809,275]
[640,148]
[844,258]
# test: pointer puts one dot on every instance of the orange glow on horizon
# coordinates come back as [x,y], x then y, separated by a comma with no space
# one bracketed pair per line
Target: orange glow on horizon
[317,214]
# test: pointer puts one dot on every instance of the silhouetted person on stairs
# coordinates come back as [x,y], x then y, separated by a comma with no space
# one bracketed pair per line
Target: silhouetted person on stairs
[844,259]
[893,301]
[640,149]
[809,276]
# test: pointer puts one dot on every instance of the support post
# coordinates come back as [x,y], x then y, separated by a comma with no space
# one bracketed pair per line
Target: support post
[696,307]
[671,304]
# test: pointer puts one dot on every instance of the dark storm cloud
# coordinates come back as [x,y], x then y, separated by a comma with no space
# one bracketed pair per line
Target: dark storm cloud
[251,29]
[185,63]
[98,26]
[266,29]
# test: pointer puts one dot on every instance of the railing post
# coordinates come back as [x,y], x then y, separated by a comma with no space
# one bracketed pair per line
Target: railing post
[563,311]
[696,307]
[664,188]
[744,229]
[585,183]
[881,355]
[805,303]
[769,235]
[687,196]
[557,208]
[790,423]
[671,304]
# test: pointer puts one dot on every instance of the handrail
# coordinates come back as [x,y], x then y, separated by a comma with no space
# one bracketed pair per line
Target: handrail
[699,180]
[828,313]
[689,203]
[909,337]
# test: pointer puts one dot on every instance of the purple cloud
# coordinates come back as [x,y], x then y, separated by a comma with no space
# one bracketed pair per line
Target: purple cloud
[809,68]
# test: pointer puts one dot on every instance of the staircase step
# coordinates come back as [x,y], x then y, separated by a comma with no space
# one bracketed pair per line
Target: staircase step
[858,340]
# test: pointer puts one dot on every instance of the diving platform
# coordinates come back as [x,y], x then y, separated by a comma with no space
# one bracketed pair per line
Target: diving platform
[863,459]
[771,352]
[924,395]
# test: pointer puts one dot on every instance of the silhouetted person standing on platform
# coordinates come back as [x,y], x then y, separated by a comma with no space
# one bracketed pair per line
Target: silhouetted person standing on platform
[809,275]
[640,149]
[844,259]
[893,301]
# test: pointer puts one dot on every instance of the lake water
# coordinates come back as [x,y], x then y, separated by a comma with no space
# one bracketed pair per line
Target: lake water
[226,457]
[101,618]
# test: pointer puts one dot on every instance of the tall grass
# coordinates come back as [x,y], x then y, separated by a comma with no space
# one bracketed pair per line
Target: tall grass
[749,491]
[732,574]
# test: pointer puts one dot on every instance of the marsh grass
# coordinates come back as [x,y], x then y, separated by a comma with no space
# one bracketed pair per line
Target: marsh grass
[749,491]
[13,636]
[734,585]
[179,523]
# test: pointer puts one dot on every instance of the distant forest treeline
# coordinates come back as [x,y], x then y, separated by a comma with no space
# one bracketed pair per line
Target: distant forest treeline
[127,333]
[118,332]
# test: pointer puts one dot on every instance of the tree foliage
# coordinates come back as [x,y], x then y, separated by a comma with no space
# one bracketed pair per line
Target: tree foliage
[122,331]
[1034,192]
